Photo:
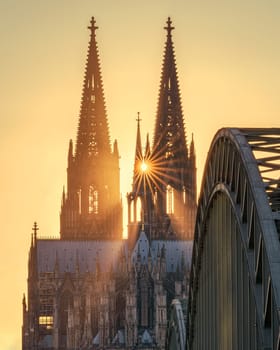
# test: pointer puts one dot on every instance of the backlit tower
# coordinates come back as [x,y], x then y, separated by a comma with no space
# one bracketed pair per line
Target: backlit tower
[166,184]
[91,207]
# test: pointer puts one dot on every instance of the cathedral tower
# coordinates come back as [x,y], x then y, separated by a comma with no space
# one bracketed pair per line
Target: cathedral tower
[165,179]
[90,289]
[91,207]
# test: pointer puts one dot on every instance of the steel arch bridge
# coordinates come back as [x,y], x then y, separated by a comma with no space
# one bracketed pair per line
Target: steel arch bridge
[176,331]
[234,295]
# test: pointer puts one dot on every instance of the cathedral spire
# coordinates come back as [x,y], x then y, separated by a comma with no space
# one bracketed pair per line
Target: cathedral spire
[138,149]
[169,136]
[165,188]
[91,207]
[93,130]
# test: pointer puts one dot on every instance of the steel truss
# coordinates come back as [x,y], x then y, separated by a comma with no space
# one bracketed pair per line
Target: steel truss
[176,331]
[234,296]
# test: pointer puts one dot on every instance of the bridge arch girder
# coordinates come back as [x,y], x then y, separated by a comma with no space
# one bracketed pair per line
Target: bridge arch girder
[176,332]
[234,298]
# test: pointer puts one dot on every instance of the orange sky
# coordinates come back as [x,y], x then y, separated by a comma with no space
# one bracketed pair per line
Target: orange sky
[228,56]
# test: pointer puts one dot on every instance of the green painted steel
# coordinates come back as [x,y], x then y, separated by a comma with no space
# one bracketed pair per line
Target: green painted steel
[176,332]
[234,295]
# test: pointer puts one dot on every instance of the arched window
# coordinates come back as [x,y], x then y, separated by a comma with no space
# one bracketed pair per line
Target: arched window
[155,196]
[46,307]
[169,200]
[184,194]
[138,209]
[65,305]
[93,200]
[79,193]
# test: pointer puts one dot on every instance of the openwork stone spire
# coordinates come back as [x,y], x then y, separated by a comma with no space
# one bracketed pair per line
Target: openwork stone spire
[169,135]
[93,131]
[91,208]
[164,187]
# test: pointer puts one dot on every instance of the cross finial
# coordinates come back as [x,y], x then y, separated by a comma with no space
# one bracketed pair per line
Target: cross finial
[169,28]
[138,118]
[35,229]
[92,26]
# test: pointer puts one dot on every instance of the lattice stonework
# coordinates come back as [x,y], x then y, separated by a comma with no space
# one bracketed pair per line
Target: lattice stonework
[234,283]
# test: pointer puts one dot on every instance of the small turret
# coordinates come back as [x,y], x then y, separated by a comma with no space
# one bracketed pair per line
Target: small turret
[138,260]
[157,265]
[148,148]
[122,266]
[137,159]
[24,304]
[183,263]
[35,230]
[77,265]
[163,262]
[56,266]
[32,262]
[116,149]
[63,197]
[70,153]
[24,325]
[150,260]
[192,149]
[97,267]
[178,272]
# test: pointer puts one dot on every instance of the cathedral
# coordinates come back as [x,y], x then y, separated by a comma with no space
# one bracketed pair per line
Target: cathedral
[92,289]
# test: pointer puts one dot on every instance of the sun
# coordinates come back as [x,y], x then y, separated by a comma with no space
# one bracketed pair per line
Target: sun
[144,167]
[153,173]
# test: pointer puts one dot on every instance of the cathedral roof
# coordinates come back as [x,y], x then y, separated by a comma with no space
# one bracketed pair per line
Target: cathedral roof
[175,250]
[67,255]
[70,254]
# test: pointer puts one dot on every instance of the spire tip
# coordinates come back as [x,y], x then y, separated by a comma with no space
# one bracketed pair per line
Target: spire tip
[138,119]
[92,26]
[169,28]
[35,230]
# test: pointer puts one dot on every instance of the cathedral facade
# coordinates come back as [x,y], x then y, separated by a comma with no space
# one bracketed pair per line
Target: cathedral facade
[91,289]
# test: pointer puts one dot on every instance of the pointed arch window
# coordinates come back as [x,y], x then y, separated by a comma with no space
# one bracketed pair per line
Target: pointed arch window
[155,196]
[46,305]
[93,200]
[64,311]
[169,200]
[138,210]
[169,83]
[79,193]
[46,321]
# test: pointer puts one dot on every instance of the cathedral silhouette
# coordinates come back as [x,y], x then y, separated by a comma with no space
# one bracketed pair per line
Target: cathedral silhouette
[91,289]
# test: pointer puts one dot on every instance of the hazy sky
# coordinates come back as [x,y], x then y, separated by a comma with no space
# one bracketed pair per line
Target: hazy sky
[228,55]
